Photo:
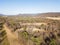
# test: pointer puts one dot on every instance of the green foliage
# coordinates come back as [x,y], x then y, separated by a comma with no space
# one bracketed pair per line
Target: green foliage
[53,42]
[2,33]
[25,35]
[36,40]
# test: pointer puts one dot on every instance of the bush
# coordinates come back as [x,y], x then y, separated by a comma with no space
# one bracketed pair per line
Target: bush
[25,35]
[3,33]
[36,40]
[53,42]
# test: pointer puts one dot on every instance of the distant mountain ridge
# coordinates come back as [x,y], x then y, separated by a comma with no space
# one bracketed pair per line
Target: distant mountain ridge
[51,14]
[1,14]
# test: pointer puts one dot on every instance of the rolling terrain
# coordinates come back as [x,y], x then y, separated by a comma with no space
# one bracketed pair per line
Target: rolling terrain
[31,29]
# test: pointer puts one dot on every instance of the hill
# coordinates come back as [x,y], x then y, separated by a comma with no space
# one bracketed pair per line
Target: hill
[50,14]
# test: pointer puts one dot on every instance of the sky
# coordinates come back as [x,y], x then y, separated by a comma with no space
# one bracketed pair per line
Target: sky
[12,7]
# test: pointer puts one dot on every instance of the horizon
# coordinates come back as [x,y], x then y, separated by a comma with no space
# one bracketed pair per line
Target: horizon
[13,7]
[29,14]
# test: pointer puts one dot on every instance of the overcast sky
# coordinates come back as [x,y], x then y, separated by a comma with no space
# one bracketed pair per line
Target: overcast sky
[28,6]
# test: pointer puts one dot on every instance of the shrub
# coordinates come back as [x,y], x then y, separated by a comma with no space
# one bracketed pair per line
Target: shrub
[36,40]
[53,42]
[25,35]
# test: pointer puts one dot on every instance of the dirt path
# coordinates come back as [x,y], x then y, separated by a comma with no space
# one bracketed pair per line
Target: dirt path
[13,39]
[53,18]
